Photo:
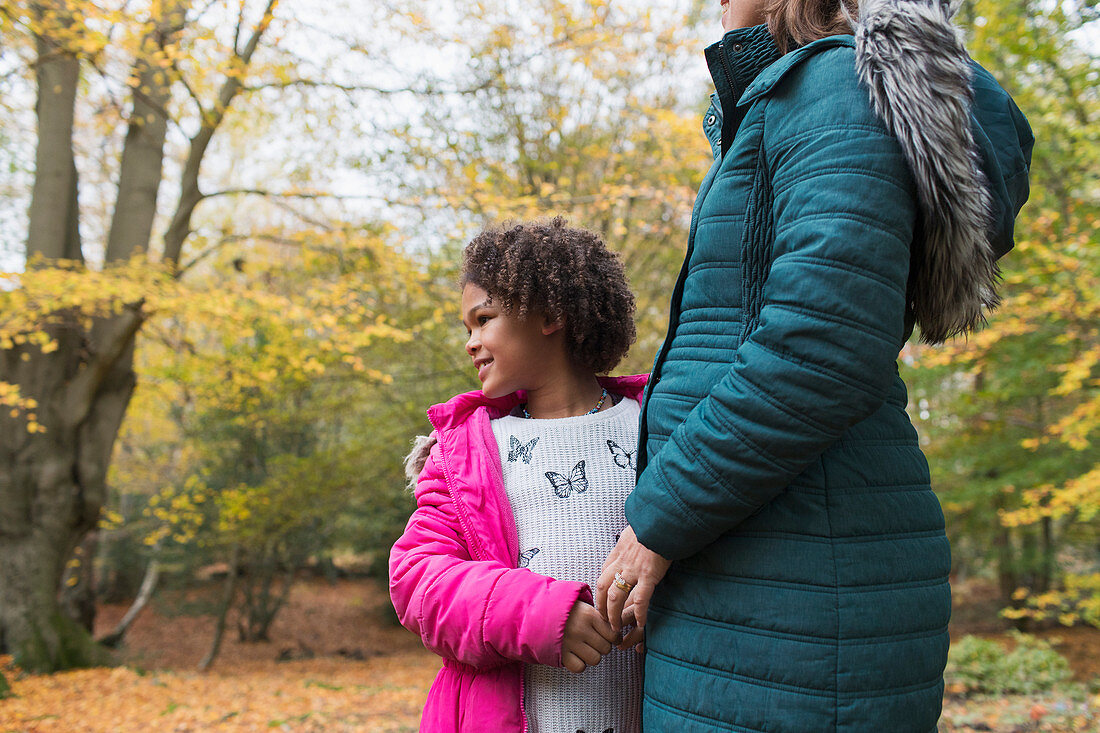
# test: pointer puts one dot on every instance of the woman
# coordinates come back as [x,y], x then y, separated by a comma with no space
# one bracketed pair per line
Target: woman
[861,184]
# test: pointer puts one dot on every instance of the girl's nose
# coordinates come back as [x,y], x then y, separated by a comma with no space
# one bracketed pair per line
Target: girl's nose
[471,345]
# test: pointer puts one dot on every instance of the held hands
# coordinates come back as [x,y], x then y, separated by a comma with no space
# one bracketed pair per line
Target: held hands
[639,569]
[587,638]
[590,633]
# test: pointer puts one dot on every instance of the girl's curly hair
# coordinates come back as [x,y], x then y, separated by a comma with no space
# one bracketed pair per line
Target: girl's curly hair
[547,268]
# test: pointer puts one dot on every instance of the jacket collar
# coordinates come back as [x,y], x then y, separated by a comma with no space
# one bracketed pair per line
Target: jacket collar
[768,78]
[755,70]
[734,62]
[457,410]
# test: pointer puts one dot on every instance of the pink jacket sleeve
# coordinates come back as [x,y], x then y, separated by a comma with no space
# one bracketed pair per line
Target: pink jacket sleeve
[479,612]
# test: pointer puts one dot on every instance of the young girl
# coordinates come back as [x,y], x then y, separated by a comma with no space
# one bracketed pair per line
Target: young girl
[520,495]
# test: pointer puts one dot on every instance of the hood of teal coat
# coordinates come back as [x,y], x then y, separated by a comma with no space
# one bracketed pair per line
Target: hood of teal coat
[1005,142]
[972,179]
[968,147]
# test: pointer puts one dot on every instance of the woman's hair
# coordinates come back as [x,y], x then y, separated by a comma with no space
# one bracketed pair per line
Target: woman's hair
[798,22]
[545,268]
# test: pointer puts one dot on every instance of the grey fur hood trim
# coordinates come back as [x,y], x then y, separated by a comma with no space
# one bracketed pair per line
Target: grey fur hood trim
[418,456]
[911,57]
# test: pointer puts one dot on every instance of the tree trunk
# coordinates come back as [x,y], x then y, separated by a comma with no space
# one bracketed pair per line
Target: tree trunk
[143,152]
[53,230]
[1008,579]
[223,612]
[50,483]
[1047,556]
[39,635]
[78,586]
[148,584]
[53,483]
[260,607]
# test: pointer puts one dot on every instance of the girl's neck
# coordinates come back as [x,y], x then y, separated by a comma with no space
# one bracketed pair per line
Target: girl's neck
[567,394]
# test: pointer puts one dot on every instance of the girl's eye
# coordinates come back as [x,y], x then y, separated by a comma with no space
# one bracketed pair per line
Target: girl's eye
[482,320]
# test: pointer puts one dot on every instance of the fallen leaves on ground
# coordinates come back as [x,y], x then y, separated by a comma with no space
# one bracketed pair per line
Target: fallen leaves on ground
[382,694]
[350,670]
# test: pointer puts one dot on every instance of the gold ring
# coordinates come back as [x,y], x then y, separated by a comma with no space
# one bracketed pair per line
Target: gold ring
[621,584]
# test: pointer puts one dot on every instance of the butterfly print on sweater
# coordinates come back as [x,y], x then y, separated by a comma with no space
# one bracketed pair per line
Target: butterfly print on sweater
[576,483]
[623,458]
[527,556]
[520,451]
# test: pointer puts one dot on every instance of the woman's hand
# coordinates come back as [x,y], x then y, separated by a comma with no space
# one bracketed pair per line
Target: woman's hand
[587,638]
[641,568]
[633,635]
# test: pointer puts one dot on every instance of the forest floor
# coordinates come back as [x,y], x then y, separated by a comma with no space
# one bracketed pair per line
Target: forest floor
[337,662]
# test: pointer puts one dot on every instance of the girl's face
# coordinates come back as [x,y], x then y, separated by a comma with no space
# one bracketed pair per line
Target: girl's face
[742,13]
[509,353]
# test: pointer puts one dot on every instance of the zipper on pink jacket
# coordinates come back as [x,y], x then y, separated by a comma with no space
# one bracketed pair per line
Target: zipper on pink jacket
[512,531]
[522,693]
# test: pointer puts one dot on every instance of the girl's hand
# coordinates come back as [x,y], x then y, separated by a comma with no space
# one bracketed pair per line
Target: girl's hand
[587,638]
[641,568]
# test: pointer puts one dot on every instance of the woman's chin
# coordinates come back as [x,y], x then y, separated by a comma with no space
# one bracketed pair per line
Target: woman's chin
[727,21]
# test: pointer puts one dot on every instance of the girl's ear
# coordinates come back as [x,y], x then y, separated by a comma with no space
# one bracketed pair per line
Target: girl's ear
[549,327]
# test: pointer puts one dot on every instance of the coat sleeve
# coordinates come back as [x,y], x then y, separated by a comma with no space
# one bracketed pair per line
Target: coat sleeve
[478,612]
[831,324]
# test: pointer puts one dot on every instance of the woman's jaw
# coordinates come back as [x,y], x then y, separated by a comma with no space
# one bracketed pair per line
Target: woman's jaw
[741,13]
[726,16]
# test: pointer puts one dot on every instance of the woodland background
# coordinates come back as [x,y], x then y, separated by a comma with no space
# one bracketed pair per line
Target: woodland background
[229,232]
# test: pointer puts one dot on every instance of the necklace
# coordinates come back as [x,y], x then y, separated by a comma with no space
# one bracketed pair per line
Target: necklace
[593,411]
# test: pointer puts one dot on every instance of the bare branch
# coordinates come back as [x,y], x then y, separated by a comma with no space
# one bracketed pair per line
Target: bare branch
[190,90]
[237,30]
[298,195]
[148,583]
[231,239]
[419,91]
[190,195]
[303,216]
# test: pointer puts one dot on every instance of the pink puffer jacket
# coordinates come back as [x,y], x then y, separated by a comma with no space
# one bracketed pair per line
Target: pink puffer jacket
[454,580]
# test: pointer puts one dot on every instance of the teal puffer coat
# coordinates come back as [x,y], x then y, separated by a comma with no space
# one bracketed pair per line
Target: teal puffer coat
[778,468]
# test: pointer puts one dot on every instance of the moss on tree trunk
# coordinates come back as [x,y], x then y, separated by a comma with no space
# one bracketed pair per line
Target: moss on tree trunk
[36,632]
[60,643]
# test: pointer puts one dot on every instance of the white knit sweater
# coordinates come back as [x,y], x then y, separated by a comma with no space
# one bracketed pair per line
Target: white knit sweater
[567,480]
